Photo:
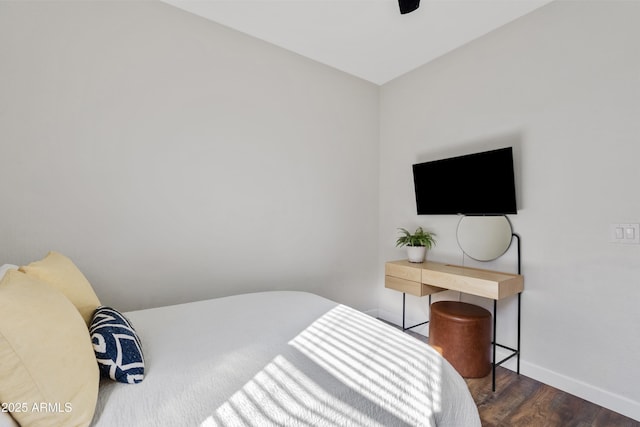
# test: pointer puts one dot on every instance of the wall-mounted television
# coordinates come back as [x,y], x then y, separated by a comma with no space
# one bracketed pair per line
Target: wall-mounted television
[473,184]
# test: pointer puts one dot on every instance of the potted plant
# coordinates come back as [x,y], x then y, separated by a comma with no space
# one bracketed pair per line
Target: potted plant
[416,243]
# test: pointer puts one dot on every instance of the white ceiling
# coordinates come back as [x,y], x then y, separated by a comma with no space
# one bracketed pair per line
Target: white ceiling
[366,38]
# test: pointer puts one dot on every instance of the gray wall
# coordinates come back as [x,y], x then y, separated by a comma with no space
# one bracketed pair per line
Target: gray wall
[562,86]
[174,159]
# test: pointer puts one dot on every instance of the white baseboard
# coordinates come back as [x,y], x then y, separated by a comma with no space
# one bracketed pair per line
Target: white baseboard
[604,398]
[373,312]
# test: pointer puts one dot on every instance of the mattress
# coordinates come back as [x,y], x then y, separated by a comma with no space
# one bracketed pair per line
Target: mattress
[282,358]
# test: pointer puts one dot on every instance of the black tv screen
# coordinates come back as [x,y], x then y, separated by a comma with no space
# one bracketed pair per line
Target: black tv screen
[474,184]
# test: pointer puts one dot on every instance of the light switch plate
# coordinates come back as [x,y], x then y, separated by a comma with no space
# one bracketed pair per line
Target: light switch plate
[625,233]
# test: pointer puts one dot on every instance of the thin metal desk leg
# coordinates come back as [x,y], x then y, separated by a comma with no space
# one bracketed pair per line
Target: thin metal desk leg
[495,340]
[404,328]
[518,359]
[404,296]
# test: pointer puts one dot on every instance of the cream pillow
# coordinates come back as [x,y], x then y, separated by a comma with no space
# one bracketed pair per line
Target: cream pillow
[6,420]
[3,269]
[60,272]
[47,363]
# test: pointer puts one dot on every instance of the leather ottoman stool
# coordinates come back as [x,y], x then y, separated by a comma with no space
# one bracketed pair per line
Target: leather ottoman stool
[461,333]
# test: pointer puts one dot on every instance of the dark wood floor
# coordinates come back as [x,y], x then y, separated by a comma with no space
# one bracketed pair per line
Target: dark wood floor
[522,401]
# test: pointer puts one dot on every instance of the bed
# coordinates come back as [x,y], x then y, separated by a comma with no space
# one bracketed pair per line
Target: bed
[280,358]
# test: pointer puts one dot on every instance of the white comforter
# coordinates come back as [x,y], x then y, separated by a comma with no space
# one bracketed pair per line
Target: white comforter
[282,358]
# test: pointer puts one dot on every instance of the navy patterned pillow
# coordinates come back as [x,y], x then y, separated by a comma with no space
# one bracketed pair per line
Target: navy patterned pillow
[117,346]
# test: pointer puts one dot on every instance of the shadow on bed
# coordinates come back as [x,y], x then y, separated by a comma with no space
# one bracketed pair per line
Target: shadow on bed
[283,358]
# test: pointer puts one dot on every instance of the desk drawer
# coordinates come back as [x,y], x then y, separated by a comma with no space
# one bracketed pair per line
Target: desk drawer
[484,283]
[402,285]
[409,287]
[413,274]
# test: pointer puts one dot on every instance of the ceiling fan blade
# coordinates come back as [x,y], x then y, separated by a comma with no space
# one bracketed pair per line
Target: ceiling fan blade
[407,6]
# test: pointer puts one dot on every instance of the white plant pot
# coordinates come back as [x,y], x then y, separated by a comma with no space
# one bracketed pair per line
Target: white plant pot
[416,253]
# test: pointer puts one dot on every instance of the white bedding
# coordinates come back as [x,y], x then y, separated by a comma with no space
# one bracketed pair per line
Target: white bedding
[282,358]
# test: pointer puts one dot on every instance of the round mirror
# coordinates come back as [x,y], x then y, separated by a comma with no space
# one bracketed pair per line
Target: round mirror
[484,238]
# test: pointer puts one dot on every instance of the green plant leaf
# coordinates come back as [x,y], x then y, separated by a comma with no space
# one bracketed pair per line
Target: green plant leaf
[419,238]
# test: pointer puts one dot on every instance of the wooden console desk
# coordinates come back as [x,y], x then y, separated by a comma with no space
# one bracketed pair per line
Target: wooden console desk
[427,278]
